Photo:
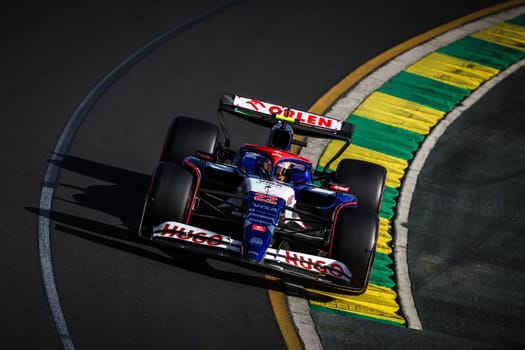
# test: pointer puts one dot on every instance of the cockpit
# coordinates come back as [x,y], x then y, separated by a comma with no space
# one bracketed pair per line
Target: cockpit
[274,167]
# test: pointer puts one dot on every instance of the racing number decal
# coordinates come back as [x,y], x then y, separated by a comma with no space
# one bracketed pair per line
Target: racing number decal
[266,198]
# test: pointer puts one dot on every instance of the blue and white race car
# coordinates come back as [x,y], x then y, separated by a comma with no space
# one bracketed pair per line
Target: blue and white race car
[263,204]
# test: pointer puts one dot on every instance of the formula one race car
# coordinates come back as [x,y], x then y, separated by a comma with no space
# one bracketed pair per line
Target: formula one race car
[263,204]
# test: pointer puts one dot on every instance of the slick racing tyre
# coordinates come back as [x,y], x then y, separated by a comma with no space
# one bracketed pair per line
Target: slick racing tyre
[354,238]
[170,197]
[186,136]
[366,181]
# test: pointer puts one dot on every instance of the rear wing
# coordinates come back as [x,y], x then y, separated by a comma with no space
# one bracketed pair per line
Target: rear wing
[303,123]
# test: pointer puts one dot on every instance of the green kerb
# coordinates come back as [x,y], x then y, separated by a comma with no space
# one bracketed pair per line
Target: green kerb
[396,142]
[389,202]
[382,272]
[424,91]
[346,313]
[483,52]
[520,20]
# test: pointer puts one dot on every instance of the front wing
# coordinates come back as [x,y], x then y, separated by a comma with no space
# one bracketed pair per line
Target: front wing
[316,268]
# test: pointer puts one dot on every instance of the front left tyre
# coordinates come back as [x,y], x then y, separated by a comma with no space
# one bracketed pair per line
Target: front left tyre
[170,197]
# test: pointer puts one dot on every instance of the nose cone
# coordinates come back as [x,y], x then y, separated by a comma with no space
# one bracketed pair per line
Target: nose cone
[257,238]
[261,218]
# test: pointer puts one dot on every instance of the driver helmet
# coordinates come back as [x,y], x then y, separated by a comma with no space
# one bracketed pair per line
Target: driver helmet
[282,171]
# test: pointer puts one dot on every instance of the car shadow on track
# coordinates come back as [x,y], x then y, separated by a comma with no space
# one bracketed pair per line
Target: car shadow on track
[123,198]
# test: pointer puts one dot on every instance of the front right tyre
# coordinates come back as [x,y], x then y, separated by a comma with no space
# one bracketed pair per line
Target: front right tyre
[353,242]
[366,181]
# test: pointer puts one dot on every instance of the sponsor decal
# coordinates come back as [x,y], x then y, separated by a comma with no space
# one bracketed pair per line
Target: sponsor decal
[266,183]
[303,117]
[264,207]
[259,228]
[192,234]
[266,198]
[316,264]
[256,241]
[340,188]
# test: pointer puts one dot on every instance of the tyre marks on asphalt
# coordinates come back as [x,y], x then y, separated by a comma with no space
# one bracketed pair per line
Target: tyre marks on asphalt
[394,119]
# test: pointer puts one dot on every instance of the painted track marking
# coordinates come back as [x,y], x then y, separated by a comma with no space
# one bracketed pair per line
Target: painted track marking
[62,147]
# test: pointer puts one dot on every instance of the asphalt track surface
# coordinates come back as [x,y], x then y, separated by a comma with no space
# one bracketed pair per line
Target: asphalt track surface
[117,292]
[465,247]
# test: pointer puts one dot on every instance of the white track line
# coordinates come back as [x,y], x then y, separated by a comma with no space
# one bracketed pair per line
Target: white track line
[300,311]
[52,174]
[343,107]
[409,185]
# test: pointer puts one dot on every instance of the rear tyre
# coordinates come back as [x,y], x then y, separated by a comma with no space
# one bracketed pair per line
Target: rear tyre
[171,194]
[186,136]
[366,181]
[354,243]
